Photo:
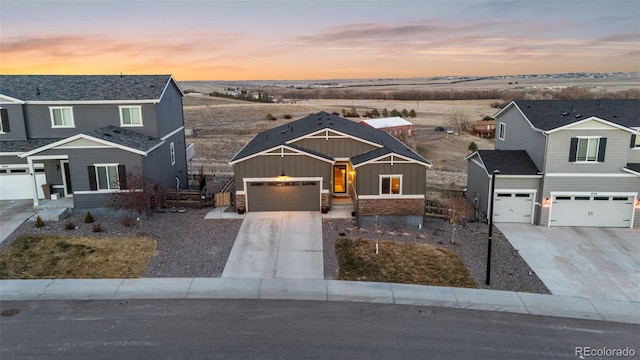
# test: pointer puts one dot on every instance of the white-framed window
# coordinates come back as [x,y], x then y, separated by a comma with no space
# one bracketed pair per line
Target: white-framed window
[636,142]
[4,123]
[130,115]
[587,149]
[502,131]
[390,184]
[61,116]
[107,176]
[172,151]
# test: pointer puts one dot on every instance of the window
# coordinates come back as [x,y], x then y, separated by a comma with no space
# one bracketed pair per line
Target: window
[502,131]
[390,184]
[4,124]
[107,177]
[172,150]
[61,117]
[130,116]
[635,141]
[587,149]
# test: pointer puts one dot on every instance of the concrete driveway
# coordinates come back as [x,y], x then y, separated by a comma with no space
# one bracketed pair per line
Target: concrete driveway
[283,244]
[12,214]
[601,263]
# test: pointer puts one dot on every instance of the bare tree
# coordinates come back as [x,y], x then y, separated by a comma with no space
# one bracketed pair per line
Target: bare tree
[459,121]
[138,196]
[459,211]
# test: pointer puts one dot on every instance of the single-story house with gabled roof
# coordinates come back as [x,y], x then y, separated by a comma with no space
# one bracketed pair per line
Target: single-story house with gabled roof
[304,164]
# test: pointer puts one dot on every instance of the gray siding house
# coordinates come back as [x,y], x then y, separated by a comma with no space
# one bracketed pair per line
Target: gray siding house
[305,164]
[561,163]
[79,135]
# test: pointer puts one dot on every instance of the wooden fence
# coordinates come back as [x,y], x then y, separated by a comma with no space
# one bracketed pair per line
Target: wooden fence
[186,198]
[435,209]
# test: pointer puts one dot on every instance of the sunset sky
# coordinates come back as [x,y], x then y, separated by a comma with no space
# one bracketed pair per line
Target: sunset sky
[314,39]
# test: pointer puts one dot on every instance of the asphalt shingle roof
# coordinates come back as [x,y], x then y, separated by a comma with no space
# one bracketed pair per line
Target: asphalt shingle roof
[508,162]
[321,121]
[83,87]
[124,137]
[633,167]
[551,114]
[21,146]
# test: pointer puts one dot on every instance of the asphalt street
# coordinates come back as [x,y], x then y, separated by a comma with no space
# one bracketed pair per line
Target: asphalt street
[247,329]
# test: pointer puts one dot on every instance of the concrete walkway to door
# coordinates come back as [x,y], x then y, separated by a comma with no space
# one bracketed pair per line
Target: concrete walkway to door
[278,244]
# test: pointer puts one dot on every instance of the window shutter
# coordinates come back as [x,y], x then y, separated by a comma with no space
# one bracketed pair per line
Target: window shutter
[573,149]
[4,114]
[93,184]
[122,177]
[633,140]
[601,149]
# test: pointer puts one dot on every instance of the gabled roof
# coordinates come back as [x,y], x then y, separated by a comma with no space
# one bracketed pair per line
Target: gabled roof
[382,123]
[324,121]
[52,88]
[551,114]
[109,135]
[508,162]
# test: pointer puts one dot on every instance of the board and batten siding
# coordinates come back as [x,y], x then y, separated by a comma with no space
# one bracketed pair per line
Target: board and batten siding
[520,136]
[169,111]
[271,166]
[517,183]
[337,148]
[157,164]
[413,178]
[615,157]
[86,117]
[17,129]
[12,160]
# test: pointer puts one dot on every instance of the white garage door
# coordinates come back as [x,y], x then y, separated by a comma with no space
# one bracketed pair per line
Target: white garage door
[16,183]
[513,207]
[592,210]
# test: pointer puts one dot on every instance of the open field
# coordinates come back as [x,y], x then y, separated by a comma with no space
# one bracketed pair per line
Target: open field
[221,127]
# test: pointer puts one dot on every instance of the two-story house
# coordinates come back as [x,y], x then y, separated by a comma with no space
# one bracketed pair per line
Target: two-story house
[561,163]
[79,135]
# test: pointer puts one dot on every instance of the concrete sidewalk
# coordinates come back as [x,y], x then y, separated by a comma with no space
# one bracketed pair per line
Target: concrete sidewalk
[320,290]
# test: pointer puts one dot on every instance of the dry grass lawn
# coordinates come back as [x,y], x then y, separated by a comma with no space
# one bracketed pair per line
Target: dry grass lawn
[400,263]
[63,257]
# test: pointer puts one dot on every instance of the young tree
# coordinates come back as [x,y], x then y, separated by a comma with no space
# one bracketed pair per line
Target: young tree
[473,146]
[385,112]
[375,113]
[395,112]
[138,196]
[412,113]
[459,211]
[404,113]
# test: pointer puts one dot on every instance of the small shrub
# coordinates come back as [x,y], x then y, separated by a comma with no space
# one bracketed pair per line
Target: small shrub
[473,146]
[287,116]
[88,218]
[270,117]
[69,225]
[127,221]
[336,113]
[39,222]
[487,118]
[97,228]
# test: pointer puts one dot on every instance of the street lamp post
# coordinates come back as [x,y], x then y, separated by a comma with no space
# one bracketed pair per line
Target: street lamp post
[492,195]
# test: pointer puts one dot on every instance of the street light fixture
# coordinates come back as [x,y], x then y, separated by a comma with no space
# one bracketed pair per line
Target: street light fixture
[492,194]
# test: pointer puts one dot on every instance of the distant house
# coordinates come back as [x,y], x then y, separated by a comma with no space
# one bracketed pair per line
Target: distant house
[303,165]
[484,128]
[395,126]
[79,135]
[561,163]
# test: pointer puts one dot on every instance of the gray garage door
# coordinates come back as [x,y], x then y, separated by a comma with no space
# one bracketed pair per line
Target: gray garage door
[283,196]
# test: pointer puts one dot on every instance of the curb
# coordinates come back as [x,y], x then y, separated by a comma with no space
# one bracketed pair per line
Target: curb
[321,290]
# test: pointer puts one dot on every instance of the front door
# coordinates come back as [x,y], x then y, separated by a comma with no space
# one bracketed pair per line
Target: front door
[66,178]
[340,179]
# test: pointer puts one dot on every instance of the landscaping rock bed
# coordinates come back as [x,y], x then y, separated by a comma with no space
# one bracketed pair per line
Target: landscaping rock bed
[509,271]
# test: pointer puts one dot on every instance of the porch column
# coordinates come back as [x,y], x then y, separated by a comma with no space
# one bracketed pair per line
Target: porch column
[32,172]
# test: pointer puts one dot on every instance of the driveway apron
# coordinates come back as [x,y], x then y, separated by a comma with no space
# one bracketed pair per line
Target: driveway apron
[12,214]
[278,244]
[602,263]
